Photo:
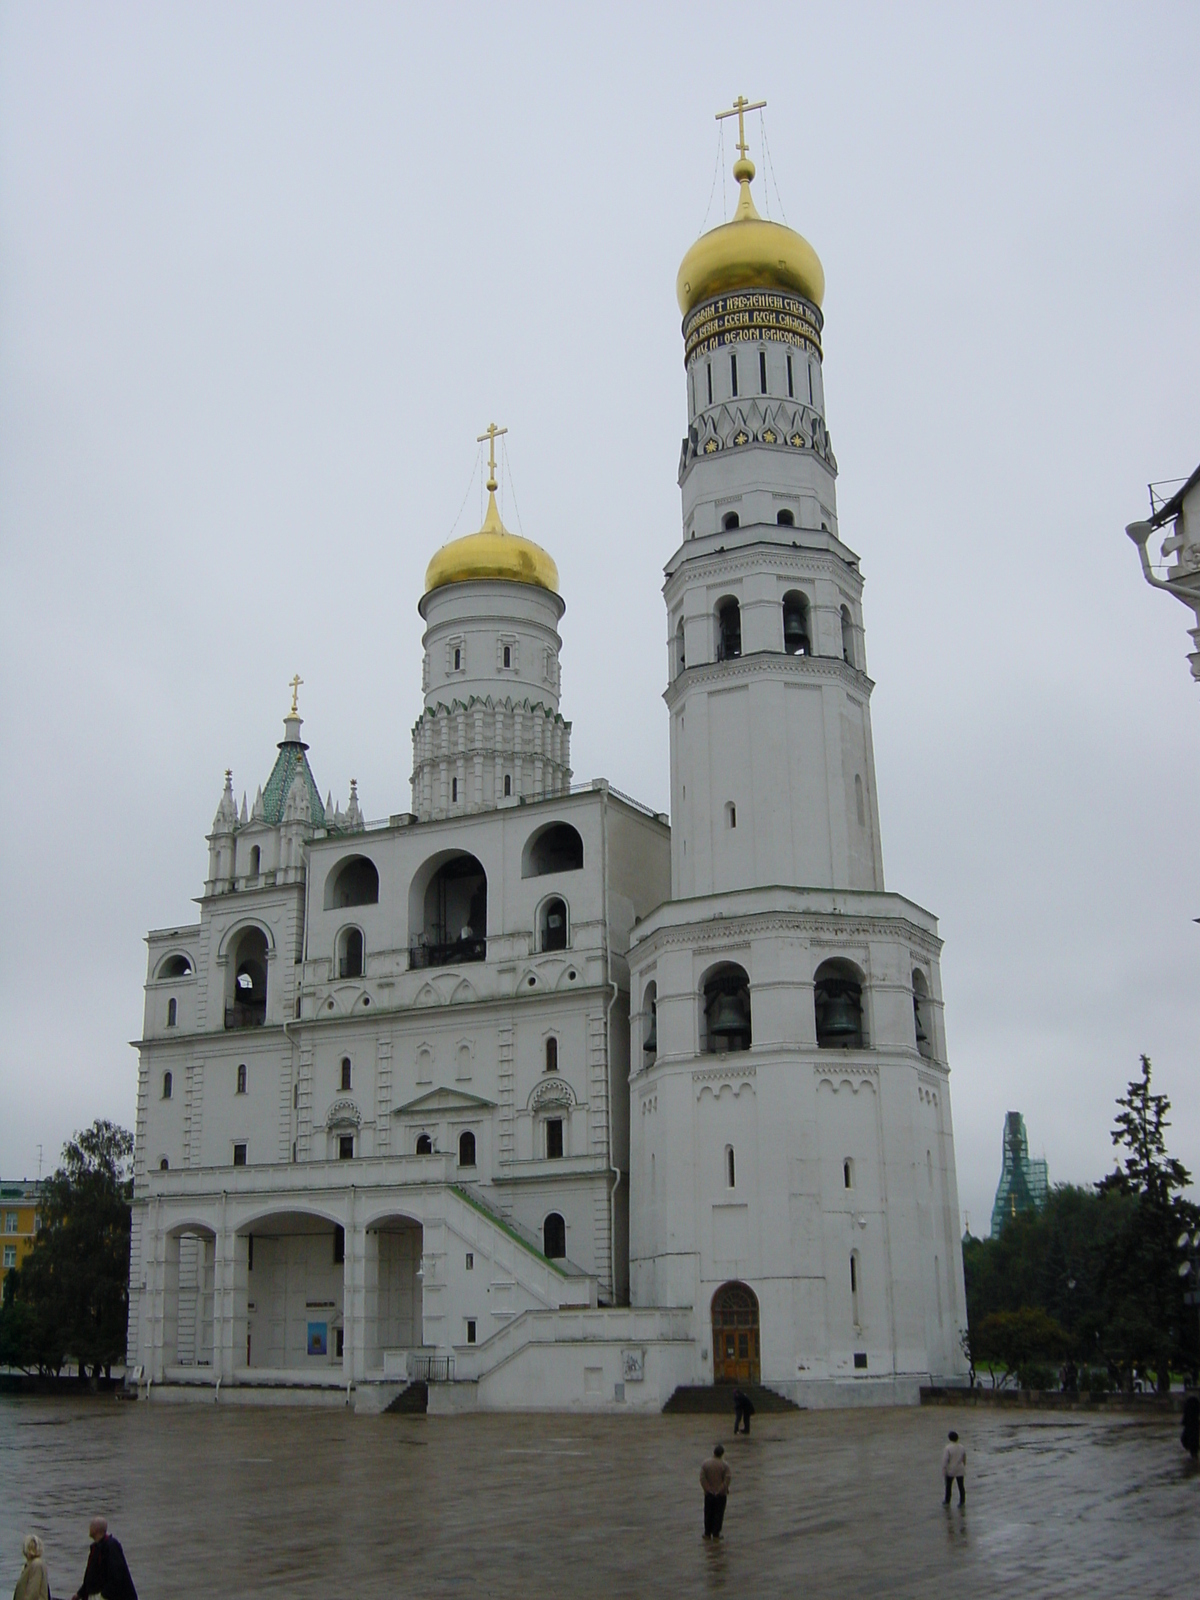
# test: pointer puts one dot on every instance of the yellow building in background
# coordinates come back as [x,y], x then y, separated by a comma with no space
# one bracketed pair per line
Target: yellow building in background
[18,1220]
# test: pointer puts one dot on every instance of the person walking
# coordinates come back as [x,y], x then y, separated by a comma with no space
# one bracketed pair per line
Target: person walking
[1189,1436]
[743,1410]
[715,1478]
[34,1582]
[107,1570]
[954,1466]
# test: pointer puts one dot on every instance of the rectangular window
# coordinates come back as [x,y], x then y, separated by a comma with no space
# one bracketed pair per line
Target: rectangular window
[733,373]
[762,371]
[470,1330]
[810,387]
[791,386]
[454,788]
[10,1222]
[249,1252]
[10,1255]
[339,1244]
[554,1138]
[346,1147]
[710,383]
[239,1155]
[470,1261]
[339,1335]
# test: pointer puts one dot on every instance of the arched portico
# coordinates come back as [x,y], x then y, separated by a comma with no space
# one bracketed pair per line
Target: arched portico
[289,1274]
[393,1302]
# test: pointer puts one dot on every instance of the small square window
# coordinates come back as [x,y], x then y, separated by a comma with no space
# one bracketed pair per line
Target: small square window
[470,1330]
[860,1359]
[470,1261]
[346,1147]
[239,1155]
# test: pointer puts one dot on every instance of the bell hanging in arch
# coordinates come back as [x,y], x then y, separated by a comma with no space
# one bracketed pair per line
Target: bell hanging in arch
[729,1021]
[841,1015]
[795,639]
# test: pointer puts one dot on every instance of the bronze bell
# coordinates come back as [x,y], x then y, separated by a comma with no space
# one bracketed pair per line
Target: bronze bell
[841,1018]
[795,640]
[729,1019]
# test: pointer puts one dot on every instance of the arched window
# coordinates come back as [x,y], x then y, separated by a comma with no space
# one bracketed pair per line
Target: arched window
[552,925]
[454,788]
[466,1149]
[241,1078]
[168,1083]
[680,651]
[347,1073]
[726,1013]
[508,655]
[730,814]
[172,1011]
[350,953]
[424,1145]
[458,658]
[554,1237]
[255,861]
[847,1174]
[557,848]
[837,998]
[797,633]
[855,1288]
[922,1021]
[246,1001]
[650,1023]
[354,882]
[730,521]
[508,783]
[175,967]
[735,1333]
[729,630]
[786,519]
[551,1054]
[847,638]
[860,802]
[730,1170]
[448,917]
[164,1165]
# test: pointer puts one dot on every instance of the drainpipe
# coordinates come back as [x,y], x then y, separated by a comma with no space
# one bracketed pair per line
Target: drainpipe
[295,1044]
[615,1170]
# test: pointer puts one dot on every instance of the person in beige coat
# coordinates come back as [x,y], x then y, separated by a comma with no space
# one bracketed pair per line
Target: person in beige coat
[33,1584]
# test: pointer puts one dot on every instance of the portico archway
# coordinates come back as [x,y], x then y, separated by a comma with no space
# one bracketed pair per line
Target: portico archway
[735,1335]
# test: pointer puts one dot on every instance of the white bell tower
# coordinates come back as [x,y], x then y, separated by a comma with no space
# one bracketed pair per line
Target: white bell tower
[792,1165]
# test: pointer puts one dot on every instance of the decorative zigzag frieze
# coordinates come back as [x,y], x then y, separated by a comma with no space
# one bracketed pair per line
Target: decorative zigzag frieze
[782,424]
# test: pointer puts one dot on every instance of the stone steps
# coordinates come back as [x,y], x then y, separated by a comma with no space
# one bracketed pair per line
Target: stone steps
[716,1400]
[412,1401]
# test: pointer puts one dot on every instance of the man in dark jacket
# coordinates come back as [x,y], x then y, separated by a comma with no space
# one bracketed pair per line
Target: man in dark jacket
[743,1410]
[107,1571]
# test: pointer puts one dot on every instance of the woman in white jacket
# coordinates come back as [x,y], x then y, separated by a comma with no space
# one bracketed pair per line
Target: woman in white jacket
[33,1584]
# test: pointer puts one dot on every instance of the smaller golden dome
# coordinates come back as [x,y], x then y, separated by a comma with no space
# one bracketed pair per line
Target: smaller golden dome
[492,553]
[748,253]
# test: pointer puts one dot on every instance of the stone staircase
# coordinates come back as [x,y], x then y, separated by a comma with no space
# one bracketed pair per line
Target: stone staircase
[412,1401]
[716,1400]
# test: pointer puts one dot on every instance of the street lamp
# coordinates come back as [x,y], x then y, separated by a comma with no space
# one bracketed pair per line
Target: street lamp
[1182,511]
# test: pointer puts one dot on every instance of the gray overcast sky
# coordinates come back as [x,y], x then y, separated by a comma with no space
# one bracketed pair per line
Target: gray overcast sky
[267,270]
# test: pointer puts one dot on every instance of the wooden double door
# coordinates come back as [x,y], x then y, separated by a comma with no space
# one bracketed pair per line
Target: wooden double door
[735,1335]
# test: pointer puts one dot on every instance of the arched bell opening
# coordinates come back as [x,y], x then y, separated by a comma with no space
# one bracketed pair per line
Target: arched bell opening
[350,953]
[449,919]
[557,847]
[735,1332]
[680,650]
[797,630]
[729,630]
[353,882]
[246,994]
[649,1025]
[726,1010]
[552,925]
[847,638]
[838,1002]
[922,1018]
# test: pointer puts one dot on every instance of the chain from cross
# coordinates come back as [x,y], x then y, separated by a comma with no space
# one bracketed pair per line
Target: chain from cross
[739,109]
[491,434]
[294,686]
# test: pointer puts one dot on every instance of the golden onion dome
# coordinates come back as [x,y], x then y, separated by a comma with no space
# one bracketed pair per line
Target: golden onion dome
[492,553]
[748,253]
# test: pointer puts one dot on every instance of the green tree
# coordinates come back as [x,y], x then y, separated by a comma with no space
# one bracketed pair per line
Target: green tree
[74,1284]
[1019,1340]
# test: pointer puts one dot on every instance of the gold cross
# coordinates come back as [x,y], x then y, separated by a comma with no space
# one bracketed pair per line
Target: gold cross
[491,435]
[739,109]
[295,688]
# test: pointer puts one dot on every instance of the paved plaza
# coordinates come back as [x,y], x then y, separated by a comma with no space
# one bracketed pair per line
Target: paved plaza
[213,1500]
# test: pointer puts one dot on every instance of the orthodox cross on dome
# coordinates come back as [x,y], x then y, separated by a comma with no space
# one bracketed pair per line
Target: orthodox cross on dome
[739,109]
[491,434]
[294,686]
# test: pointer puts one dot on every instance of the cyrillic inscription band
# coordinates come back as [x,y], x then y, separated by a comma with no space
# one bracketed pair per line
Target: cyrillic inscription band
[750,316]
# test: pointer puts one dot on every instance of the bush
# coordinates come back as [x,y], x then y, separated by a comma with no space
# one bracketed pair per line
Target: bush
[1036,1376]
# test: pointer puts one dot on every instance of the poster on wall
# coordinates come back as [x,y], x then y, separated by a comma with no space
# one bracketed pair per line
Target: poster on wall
[318,1338]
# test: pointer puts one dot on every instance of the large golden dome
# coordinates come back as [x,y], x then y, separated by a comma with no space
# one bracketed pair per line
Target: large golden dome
[492,553]
[748,253]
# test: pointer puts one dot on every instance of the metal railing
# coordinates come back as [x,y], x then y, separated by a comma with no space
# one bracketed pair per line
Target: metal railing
[430,1369]
[446,955]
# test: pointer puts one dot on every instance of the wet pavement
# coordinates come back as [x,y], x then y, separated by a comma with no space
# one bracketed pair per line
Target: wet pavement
[210,1501]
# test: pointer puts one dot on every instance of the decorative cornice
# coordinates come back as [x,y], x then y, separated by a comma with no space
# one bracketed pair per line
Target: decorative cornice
[792,557]
[829,668]
[817,925]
